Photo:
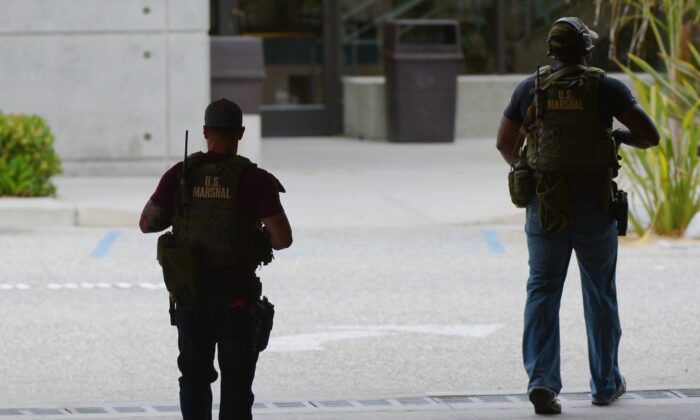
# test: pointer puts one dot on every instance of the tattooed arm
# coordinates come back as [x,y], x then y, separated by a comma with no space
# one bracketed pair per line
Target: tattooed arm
[154,218]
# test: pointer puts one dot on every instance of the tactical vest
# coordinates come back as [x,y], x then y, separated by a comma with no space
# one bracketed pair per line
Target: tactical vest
[568,136]
[213,220]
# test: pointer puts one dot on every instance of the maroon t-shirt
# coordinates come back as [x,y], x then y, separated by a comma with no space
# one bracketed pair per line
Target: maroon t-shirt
[258,192]
[258,195]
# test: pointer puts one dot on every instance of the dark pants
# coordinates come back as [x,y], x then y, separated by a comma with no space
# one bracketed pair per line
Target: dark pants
[593,237]
[201,325]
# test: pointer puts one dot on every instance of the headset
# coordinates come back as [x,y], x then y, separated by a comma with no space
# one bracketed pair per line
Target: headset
[584,42]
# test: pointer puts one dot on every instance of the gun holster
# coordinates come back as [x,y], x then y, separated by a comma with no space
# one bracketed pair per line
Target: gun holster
[263,312]
[619,208]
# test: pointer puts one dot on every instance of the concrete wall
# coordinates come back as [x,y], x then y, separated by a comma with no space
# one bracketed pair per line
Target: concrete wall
[119,81]
[480,104]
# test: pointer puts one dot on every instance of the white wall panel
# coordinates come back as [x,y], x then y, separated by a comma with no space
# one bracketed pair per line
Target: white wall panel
[101,96]
[192,15]
[117,80]
[189,89]
[32,16]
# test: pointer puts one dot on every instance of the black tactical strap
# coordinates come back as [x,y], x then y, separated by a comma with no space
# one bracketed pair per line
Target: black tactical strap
[561,73]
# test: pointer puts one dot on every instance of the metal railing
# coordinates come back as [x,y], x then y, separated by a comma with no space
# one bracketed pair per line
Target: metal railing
[535,13]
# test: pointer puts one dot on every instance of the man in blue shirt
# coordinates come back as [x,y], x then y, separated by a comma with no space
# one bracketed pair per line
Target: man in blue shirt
[581,100]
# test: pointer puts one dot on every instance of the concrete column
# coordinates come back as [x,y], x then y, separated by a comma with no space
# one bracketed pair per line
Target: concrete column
[226,17]
[237,73]
[250,145]
[332,57]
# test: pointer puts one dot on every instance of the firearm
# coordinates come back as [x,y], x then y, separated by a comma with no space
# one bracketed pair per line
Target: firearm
[184,205]
[538,96]
[184,191]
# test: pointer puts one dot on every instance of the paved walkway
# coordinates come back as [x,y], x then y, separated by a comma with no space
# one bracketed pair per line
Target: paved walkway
[340,183]
[331,182]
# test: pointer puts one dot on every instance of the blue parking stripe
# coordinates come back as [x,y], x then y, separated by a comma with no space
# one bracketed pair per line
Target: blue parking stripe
[105,244]
[492,241]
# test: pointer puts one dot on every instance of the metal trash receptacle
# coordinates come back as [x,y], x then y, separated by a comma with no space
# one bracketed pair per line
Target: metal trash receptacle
[421,62]
[237,71]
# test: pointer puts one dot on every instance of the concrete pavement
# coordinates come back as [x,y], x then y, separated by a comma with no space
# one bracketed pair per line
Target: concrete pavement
[361,313]
[362,204]
[331,182]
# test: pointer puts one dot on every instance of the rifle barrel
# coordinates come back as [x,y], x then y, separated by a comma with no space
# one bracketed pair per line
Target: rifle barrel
[187,133]
[184,198]
[538,95]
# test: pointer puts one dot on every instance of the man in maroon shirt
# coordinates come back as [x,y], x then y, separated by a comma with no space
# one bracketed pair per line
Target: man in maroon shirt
[233,198]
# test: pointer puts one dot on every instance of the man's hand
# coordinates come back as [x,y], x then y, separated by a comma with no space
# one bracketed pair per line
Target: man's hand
[279,230]
[507,136]
[154,218]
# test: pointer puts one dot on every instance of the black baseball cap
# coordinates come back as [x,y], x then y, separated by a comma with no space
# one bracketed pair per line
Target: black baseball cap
[223,114]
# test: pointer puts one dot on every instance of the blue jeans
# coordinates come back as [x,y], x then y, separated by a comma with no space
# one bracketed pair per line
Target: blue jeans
[593,236]
[201,326]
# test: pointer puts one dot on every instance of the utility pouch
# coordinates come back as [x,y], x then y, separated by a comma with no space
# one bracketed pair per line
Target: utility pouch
[620,211]
[263,313]
[520,184]
[556,214]
[180,268]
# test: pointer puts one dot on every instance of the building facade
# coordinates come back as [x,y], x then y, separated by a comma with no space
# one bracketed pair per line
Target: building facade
[120,81]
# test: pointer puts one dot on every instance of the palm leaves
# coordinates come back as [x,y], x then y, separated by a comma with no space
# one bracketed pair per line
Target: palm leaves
[665,180]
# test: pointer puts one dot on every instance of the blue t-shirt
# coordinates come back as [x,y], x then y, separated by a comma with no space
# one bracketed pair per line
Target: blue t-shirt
[614,97]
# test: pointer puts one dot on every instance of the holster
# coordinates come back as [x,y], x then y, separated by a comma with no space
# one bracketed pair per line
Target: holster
[619,207]
[263,313]
[181,271]
[520,184]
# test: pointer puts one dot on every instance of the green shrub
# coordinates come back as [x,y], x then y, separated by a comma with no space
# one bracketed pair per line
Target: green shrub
[27,157]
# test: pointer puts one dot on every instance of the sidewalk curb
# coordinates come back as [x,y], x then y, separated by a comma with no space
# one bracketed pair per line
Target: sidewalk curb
[635,404]
[30,213]
[21,213]
[94,216]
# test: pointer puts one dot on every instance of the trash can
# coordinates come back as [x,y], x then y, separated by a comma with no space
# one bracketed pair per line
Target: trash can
[237,71]
[421,62]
